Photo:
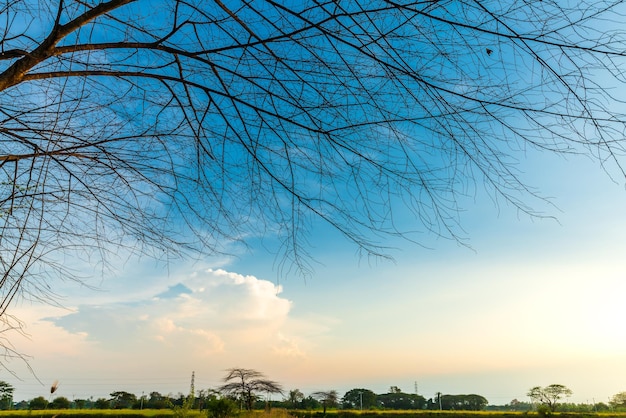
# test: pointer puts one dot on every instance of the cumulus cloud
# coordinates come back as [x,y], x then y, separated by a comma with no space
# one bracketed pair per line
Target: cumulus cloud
[203,314]
[206,321]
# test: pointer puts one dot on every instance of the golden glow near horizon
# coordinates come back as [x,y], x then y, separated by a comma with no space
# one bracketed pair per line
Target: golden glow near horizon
[473,326]
[535,303]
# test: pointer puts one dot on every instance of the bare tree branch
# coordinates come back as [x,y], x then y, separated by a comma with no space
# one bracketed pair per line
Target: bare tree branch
[185,126]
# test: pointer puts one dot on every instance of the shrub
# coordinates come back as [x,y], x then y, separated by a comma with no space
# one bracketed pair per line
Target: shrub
[38,403]
[222,408]
[544,410]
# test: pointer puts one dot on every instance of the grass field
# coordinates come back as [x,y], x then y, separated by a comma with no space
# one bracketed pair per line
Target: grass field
[281,413]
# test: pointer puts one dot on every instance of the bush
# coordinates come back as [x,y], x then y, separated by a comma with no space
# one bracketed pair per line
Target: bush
[38,403]
[222,408]
[544,410]
[60,403]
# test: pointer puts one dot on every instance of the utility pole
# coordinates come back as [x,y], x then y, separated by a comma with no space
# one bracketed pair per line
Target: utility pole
[192,389]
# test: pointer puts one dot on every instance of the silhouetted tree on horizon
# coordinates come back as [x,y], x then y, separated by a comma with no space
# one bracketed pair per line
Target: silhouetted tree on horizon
[245,384]
[550,395]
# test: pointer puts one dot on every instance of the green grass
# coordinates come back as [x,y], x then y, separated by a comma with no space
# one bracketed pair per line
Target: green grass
[95,413]
[445,414]
[281,413]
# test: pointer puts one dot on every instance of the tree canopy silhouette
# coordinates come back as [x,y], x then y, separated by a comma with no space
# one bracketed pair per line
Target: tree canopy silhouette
[246,384]
[550,395]
[182,126]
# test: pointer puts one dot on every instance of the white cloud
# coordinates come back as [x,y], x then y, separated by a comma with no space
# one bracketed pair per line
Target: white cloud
[287,347]
[206,321]
[206,313]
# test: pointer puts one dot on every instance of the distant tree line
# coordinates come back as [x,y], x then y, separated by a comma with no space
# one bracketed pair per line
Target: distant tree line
[116,400]
[249,389]
[547,400]
[523,406]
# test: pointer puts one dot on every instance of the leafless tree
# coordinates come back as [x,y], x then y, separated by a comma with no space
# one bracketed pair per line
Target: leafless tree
[245,384]
[179,127]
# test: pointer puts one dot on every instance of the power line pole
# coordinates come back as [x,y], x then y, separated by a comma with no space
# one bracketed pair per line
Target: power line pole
[192,389]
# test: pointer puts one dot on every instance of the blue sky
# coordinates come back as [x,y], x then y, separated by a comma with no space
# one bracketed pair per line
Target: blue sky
[521,301]
[532,302]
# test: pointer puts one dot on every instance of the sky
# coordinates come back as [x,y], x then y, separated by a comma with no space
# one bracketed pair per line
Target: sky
[521,302]
[528,302]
